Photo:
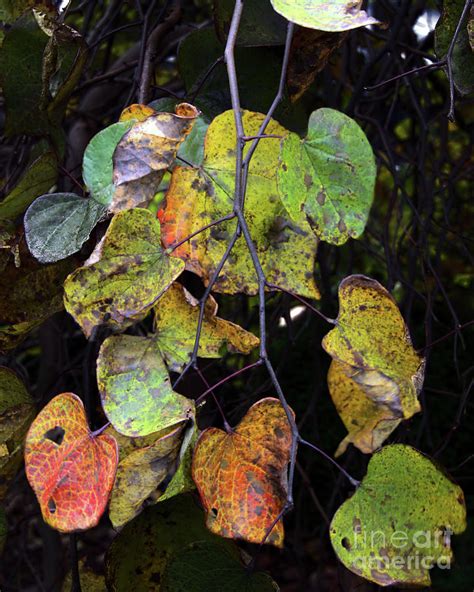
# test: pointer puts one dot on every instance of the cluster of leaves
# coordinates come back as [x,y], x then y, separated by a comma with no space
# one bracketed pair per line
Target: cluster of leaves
[299,192]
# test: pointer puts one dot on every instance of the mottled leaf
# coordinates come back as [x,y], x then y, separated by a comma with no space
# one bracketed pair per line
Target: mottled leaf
[40,176]
[29,294]
[328,178]
[462,61]
[176,319]
[372,339]
[259,24]
[325,15]
[399,522]
[58,224]
[16,413]
[90,580]
[136,112]
[213,568]
[241,475]
[198,196]
[145,152]
[141,476]
[135,387]
[71,470]
[97,164]
[157,534]
[131,274]
[368,422]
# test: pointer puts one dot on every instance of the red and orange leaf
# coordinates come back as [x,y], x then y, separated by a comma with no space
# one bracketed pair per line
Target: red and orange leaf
[242,475]
[70,470]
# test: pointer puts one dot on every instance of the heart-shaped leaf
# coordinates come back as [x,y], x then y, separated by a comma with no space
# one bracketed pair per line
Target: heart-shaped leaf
[176,319]
[58,224]
[399,522]
[372,343]
[135,387]
[325,15]
[131,274]
[71,470]
[199,196]
[328,179]
[241,475]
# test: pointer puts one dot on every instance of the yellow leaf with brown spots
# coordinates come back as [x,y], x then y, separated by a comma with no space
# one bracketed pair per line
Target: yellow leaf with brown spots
[241,475]
[136,112]
[372,347]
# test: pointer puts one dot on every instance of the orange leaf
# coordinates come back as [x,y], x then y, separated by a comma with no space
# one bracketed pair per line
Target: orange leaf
[241,475]
[70,470]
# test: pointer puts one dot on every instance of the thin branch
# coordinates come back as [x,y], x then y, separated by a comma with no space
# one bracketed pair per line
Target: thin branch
[351,480]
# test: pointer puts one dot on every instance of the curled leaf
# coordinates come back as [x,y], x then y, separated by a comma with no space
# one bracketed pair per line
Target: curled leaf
[176,318]
[131,274]
[399,522]
[241,475]
[372,347]
[325,15]
[71,470]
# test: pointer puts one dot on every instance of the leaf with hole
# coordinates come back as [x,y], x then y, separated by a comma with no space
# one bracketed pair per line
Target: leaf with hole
[58,224]
[399,522]
[327,179]
[70,469]
[200,196]
[132,272]
[176,319]
[325,15]
[135,387]
[372,342]
[241,474]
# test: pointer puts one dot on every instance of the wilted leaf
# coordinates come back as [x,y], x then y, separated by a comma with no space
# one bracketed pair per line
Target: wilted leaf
[462,61]
[145,152]
[58,224]
[241,475]
[135,387]
[157,534]
[141,476]
[325,15]
[38,178]
[259,24]
[399,522]
[133,271]
[176,319]
[16,413]
[29,294]
[372,339]
[328,179]
[213,568]
[198,196]
[368,422]
[97,164]
[310,52]
[71,470]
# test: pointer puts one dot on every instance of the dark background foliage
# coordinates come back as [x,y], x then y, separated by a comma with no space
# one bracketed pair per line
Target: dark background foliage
[417,244]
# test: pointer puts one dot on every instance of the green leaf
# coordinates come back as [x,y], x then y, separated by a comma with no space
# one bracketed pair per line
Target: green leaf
[325,15]
[40,176]
[157,534]
[97,165]
[399,522]
[199,196]
[58,224]
[328,178]
[207,566]
[176,319]
[373,349]
[259,24]
[141,476]
[17,411]
[131,273]
[463,58]
[135,387]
